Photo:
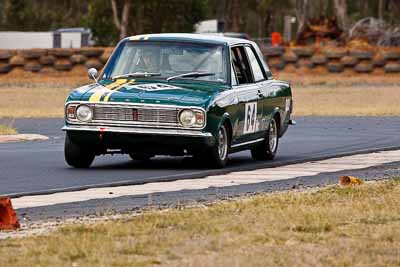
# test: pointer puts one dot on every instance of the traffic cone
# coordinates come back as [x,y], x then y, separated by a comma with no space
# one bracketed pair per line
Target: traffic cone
[8,216]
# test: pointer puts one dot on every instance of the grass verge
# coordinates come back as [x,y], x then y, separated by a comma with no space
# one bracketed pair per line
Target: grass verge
[357,226]
[5,130]
[43,96]
[329,100]
[347,100]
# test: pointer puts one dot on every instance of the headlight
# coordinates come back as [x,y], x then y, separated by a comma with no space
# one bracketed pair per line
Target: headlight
[189,117]
[84,113]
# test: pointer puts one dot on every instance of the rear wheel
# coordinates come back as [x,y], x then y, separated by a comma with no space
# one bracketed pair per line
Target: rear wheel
[217,155]
[76,155]
[266,150]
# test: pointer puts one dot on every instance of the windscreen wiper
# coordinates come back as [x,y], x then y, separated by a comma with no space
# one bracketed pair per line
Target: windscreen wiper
[191,75]
[137,75]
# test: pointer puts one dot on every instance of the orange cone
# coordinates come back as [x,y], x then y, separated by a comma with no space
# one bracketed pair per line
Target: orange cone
[8,216]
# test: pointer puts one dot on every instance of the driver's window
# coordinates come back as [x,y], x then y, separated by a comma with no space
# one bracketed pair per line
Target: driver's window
[241,65]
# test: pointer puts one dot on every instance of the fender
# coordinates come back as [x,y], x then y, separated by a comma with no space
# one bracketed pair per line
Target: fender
[282,124]
[226,117]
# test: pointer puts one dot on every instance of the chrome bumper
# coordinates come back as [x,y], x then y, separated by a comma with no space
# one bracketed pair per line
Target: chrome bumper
[133,130]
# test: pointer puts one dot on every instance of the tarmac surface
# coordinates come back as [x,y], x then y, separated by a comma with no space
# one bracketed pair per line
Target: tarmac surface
[38,167]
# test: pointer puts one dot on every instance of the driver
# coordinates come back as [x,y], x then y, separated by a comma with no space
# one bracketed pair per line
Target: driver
[149,60]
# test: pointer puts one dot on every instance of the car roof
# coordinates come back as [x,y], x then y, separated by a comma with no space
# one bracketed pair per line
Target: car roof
[190,37]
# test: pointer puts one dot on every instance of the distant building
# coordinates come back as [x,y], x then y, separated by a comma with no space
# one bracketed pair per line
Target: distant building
[216,27]
[61,38]
[209,26]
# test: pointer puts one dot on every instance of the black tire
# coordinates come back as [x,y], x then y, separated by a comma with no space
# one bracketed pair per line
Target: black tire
[319,59]
[361,54]
[212,155]
[303,51]
[140,156]
[335,67]
[391,55]
[392,68]
[364,67]
[266,150]
[77,156]
[4,67]
[273,51]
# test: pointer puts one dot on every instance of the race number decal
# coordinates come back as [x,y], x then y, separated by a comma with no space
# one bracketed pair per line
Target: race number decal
[250,118]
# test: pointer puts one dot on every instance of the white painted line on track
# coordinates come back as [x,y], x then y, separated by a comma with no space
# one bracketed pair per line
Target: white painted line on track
[237,178]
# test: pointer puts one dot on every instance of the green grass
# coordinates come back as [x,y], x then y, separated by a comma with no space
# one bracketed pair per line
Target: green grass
[356,226]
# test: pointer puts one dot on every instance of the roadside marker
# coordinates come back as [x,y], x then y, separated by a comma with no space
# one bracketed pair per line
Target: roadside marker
[350,180]
[8,216]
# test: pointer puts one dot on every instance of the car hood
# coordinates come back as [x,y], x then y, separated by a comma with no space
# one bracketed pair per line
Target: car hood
[183,94]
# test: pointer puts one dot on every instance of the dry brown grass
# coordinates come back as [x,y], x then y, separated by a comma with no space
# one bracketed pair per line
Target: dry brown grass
[319,76]
[5,130]
[33,102]
[347,101]
[26,95]
[18,78]
[309,100]
[36,95]
[357,226]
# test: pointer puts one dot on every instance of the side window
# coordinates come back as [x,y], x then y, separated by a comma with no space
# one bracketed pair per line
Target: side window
[241,65]
[233,76]
[263,63]
[255,65]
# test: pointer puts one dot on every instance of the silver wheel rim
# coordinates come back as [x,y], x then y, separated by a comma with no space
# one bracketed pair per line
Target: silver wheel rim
[273,135]
[222,143]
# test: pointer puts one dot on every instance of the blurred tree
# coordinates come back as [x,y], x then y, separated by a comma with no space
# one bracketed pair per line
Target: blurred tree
[262,8]
[35,15]
[121,22]
[128,17]
[380,9]
[302,15]
[270,15]
[99,19]
[235,16]
[170,16]
[341,12]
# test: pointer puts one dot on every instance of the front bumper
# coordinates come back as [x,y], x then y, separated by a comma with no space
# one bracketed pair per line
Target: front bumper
[137,130]
[149,140]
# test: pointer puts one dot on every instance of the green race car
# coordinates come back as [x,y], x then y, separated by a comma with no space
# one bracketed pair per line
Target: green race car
[178,94]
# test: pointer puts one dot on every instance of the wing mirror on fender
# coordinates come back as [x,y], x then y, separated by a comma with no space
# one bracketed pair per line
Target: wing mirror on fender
[92,73]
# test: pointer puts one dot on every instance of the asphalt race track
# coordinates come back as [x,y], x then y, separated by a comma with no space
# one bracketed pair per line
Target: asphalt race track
[39,167]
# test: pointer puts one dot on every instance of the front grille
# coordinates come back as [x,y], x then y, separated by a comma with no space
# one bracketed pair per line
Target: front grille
[113,114]
[133,114]
[157,115]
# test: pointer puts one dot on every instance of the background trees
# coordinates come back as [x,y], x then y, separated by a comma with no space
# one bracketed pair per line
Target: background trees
[111,20]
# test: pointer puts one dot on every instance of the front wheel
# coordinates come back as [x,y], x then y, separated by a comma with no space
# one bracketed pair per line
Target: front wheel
[77,156]
[217,155]
[266,150]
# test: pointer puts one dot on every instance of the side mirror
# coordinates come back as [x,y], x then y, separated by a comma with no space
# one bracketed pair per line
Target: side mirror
[92,73]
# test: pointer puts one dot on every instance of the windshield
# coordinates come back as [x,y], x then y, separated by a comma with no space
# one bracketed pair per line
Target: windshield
[169,59]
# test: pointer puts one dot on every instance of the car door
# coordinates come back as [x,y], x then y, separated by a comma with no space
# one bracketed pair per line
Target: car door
[266,89]
[249,95]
